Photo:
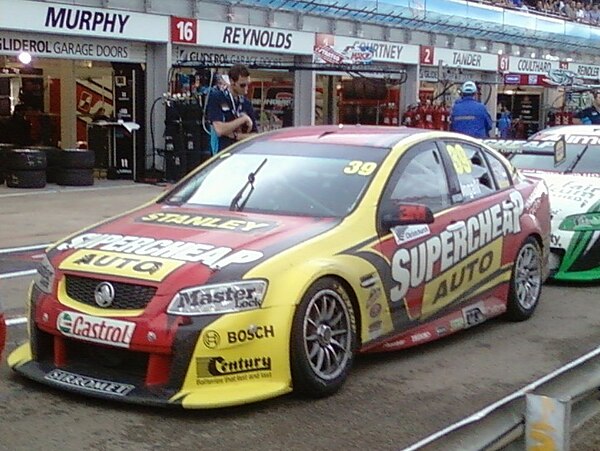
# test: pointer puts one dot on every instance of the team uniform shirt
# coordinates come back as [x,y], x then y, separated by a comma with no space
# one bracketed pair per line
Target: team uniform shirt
[471,118]
[224,107]
[589,116]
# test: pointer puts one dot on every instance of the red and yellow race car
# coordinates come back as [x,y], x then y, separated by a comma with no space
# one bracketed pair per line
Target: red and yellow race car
[271,266]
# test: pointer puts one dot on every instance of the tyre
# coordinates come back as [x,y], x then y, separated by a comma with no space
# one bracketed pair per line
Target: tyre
[525,282]
[75,177]
[52,154]
[323,339]
[76,159]
[25,160]
[25,179]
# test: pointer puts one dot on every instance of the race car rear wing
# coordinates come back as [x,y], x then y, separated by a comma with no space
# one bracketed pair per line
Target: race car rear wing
[509,147]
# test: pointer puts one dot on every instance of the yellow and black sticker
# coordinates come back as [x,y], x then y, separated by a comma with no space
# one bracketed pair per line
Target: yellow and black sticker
[154,269]
[205,222]
[462,163]
[452,284]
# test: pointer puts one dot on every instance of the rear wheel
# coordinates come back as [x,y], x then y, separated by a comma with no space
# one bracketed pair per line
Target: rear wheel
[525,282]
[323,339]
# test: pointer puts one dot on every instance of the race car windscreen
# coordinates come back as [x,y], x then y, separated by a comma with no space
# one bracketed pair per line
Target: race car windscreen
[290,178]
[588,161]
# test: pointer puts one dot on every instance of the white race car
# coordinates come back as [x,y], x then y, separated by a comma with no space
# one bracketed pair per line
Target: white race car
[568,159]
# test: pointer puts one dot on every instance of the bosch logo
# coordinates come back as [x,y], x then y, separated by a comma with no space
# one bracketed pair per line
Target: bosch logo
[104,294]
[253,333]
[211,339]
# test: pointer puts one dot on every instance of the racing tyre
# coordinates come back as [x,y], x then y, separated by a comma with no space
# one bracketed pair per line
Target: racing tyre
[323,339]
[25,179]
[25,160]
[75,177]
[76,159]
[525,281]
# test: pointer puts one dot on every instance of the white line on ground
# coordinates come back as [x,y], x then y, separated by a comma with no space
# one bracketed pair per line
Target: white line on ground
[73,190]
[12,275]
[9,250]
[16,321]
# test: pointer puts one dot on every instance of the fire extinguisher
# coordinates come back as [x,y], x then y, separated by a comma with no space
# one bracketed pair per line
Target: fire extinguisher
[437,117]
[387,120]
[569,117]
[408,118]
[428,115]
[445,117]
[420,116]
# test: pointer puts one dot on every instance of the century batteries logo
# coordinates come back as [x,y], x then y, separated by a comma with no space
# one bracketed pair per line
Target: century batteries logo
[205,222]
[207,254]
[98,330]
[219,366]
[414,266]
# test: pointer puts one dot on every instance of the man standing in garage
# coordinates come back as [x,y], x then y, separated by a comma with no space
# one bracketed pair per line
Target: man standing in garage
[229,111]
[591,114]
[470,116]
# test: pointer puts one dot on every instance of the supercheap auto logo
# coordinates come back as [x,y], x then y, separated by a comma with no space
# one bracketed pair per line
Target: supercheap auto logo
[466,251]
[207,254]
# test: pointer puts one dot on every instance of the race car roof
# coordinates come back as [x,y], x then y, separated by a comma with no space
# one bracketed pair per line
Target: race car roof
[350,135]
[567,130]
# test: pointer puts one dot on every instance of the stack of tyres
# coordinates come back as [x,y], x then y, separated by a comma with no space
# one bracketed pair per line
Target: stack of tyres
[4,147]
[53,161]
[75,167]
[25,168]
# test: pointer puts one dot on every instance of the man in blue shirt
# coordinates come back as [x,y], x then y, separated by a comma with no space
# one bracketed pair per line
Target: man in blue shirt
[229,111]
[470,116]
[590,115]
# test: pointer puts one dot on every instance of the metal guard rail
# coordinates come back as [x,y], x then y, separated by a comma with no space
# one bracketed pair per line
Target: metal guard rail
[502,424]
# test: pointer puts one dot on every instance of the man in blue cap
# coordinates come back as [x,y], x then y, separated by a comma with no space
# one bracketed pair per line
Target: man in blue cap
[470,116]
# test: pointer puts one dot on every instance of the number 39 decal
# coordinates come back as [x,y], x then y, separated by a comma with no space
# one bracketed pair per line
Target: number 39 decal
[360,167]
[461,162]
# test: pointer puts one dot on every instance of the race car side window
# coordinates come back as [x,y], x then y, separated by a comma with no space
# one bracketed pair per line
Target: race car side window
[501,173]
[471,167]
[418,178]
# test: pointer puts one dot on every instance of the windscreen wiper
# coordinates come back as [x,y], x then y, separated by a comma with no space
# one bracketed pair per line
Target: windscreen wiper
[235,205]
[577,159]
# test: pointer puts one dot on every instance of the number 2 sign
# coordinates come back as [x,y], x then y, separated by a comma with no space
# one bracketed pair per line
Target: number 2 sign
[184,30]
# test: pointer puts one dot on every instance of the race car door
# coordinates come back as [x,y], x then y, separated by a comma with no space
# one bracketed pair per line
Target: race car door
[438,267]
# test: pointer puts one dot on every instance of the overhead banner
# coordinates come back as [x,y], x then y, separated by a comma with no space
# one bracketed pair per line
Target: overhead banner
[586,71]
[330,49]
[518,65]
[240,37]
[64,19]
[52,46]
[464,59]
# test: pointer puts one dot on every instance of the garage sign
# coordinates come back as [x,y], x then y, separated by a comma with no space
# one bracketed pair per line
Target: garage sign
[65,19]
[52,46]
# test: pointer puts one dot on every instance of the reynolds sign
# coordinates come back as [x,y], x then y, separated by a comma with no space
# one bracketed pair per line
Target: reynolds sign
[83,21]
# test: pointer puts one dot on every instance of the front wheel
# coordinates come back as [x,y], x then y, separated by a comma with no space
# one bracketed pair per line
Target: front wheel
[525,282]
[323,339]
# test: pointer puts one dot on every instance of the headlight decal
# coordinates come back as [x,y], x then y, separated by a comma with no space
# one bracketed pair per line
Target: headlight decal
[46,274]
[218,299]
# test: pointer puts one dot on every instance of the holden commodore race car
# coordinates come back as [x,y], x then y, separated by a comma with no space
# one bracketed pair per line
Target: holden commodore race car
[574,184]
[276,262]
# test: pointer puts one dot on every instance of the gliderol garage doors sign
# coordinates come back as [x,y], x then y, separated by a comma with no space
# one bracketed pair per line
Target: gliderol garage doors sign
[79,20]
[52,46]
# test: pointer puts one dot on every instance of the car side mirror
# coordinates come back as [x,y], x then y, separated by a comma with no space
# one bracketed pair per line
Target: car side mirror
[408,214]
